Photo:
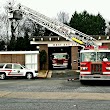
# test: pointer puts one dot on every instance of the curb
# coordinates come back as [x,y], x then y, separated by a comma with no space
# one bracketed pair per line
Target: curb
[45,74]
[49,74]
[42,74]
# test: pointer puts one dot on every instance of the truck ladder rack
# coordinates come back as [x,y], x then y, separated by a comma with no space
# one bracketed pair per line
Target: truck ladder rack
[59,28]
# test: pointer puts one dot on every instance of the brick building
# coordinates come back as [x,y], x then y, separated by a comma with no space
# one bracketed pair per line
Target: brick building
[58,44]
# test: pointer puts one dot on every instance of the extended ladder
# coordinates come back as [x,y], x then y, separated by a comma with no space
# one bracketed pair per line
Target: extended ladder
[59,28]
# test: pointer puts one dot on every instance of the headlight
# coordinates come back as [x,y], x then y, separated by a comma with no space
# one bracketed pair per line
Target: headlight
[84,68]
[107,68]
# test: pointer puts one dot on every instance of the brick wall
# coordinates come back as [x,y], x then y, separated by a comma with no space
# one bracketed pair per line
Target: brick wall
[12,58]
[107,44]
[74,55]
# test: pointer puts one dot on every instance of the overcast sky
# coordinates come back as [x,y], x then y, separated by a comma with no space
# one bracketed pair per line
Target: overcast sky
[52,7]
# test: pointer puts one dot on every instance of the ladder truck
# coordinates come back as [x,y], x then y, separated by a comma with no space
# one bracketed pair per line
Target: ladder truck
[94,58]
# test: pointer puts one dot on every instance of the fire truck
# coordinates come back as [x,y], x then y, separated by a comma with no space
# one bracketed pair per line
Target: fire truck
[60,60]
[95,63]
[94,58]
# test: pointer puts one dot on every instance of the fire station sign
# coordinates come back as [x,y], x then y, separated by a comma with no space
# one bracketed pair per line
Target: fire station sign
[62,44]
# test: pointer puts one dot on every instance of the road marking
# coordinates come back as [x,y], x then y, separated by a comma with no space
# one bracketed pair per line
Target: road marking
[55,95]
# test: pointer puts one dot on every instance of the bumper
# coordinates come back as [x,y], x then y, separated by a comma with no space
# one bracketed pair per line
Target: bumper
[35,74]
[94,77]
[59,66]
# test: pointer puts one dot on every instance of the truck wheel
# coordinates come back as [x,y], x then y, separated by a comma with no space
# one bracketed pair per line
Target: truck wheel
[2,76]
[29,76]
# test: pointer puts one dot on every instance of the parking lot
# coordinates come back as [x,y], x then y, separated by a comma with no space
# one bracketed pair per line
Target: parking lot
[53,93]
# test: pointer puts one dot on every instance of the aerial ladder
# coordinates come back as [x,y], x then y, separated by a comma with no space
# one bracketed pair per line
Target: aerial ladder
[57,27]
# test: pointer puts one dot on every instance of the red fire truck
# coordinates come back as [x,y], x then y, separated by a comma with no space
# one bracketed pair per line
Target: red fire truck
[60,60]
[95,63]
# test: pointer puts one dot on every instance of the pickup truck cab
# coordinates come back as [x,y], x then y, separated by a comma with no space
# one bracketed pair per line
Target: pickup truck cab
[15,69]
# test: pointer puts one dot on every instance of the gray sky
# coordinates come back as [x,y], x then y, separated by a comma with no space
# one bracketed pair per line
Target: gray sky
[51,7]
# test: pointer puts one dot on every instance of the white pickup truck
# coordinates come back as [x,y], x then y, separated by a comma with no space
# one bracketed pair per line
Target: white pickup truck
[15,69]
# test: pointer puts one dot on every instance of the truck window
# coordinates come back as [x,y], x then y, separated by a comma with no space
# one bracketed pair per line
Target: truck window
[102,55]
[16,66]
[2,65]
[88,56]
[8,66]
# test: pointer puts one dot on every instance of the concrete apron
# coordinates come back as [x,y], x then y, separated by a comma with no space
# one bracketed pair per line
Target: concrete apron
[57,73]
[45,74]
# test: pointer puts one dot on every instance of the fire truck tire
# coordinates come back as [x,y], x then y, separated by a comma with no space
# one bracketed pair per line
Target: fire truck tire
[29,75]
[2,76]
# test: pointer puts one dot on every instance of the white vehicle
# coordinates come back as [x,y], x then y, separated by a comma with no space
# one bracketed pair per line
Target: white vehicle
[15,69]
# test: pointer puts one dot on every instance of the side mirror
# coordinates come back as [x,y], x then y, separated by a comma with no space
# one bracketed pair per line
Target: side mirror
[67,56]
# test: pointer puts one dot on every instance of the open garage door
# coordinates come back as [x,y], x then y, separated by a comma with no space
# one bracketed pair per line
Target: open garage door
[67,55]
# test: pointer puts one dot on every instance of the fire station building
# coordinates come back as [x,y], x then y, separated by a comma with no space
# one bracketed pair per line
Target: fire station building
[57,44]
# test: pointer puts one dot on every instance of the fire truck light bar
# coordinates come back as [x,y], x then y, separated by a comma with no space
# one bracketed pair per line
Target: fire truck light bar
[99,47]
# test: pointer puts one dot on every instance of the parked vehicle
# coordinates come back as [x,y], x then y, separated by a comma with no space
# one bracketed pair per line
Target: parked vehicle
[95,64]
[15,69]
[60,60]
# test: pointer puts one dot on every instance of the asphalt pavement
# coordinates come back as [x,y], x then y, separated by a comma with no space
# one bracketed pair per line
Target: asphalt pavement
[55,93]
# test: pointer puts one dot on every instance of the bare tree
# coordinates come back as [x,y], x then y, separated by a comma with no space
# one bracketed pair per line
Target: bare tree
[108,29]
[3,26]
[63,17]
[32,28]
[4,20]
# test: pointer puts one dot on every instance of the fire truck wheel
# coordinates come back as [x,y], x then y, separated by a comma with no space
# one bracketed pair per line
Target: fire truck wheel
[29,76]
[2,76]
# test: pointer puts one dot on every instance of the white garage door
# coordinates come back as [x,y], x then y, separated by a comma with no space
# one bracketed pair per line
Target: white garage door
[31,61]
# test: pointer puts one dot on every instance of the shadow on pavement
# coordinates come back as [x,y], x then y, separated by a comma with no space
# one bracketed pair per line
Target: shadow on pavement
[96,83]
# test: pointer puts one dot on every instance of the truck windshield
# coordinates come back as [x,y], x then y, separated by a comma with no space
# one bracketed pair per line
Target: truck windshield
[95,56]
[60,56]
[102,55]
[88,56]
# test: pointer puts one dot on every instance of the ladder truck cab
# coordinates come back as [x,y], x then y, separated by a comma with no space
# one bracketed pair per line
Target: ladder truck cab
[95,63]
[60,60]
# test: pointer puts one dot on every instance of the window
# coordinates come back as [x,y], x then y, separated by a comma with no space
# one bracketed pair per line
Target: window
[17,66]
[9,66]
[60,56]
[88,56]
[31,61]
[1,65]
[102,55]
